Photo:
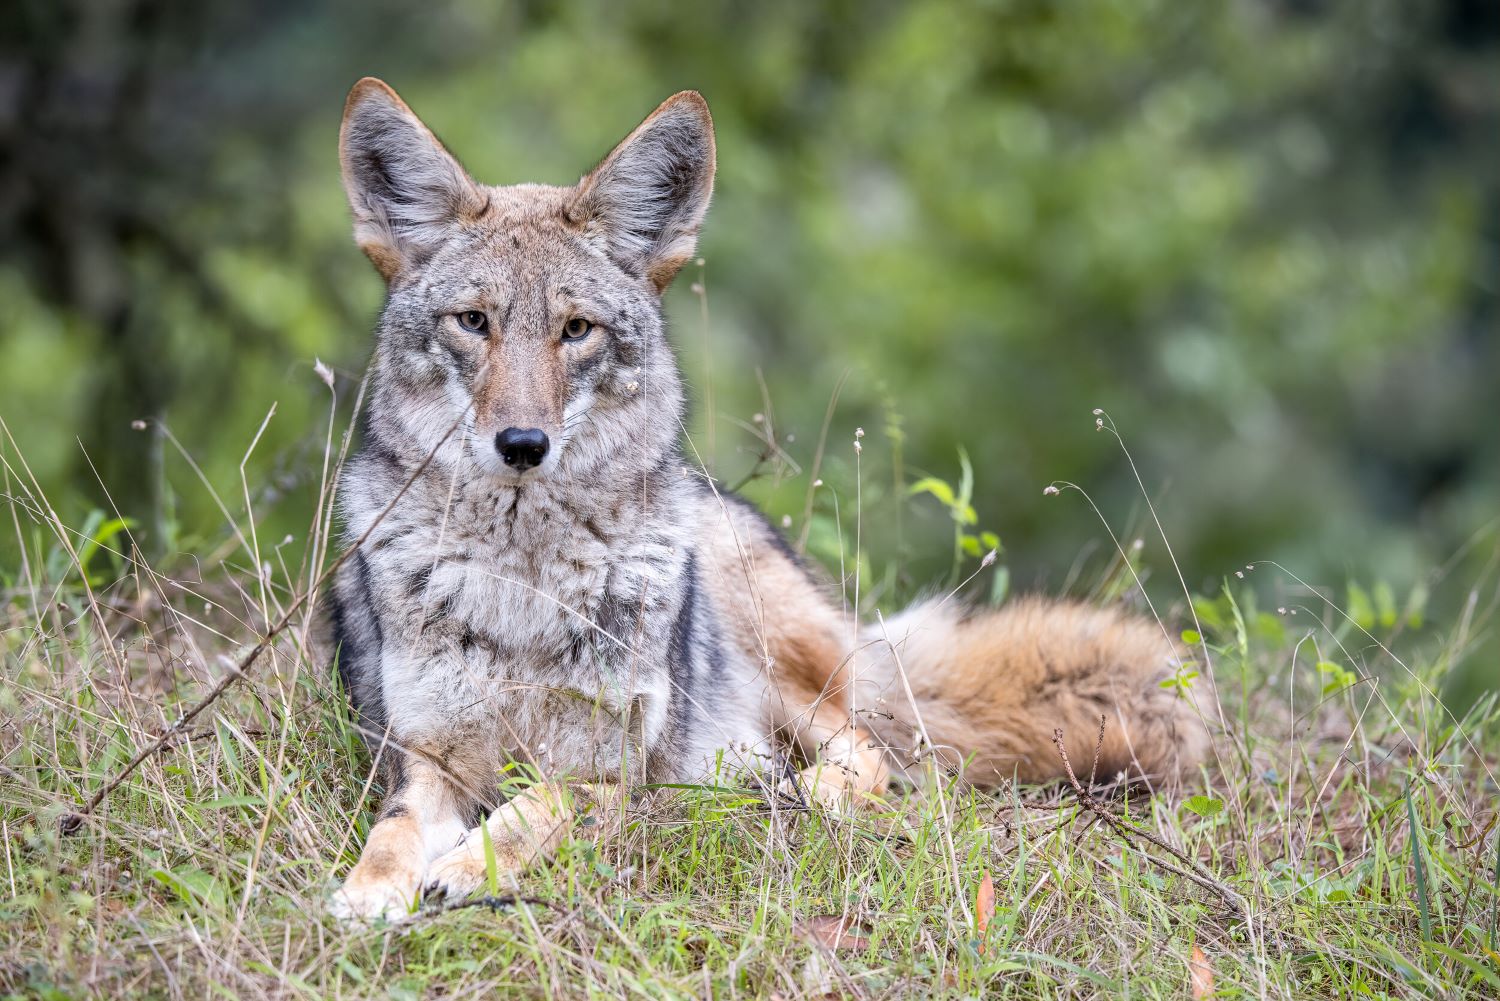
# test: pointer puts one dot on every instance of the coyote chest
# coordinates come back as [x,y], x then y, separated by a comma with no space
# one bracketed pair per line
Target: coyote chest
[511,618]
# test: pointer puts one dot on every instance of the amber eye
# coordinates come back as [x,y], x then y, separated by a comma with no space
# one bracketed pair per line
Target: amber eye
[577,329]
[473,321]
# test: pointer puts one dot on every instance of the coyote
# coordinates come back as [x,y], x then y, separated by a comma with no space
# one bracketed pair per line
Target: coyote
[541,580]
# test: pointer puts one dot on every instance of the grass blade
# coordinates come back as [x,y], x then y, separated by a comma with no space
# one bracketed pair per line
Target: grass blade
[491,870]
[1421,871]
[1495,907]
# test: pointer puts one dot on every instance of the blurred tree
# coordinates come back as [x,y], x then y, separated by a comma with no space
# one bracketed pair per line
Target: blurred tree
[1262,235]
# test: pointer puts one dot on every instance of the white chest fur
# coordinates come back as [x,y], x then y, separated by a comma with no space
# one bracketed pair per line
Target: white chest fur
[514,627]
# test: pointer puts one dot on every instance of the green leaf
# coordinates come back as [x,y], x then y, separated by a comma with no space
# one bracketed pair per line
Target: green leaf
[1207,610]
[970,545]
[932,485]
[990,541]
[1336,677]
[1416,606]
[223,802]
[1361,609]
[1241,634]
[1204,806]
[1270,628]
[192,886]
[999,586]
[966,477]
[1385,604]
[1191,637]
[100,538]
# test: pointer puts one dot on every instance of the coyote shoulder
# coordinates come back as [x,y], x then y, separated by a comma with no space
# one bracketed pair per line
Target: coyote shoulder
[543,580]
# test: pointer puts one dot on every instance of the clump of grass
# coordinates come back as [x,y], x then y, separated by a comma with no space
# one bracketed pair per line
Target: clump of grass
[1347,827]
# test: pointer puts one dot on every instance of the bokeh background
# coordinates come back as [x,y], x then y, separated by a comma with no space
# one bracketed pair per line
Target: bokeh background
[1263,236]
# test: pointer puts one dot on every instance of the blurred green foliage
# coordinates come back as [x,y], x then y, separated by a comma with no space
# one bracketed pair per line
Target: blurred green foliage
[1260,235]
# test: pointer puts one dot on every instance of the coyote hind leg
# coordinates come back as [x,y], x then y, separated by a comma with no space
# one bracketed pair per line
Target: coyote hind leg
[847,763]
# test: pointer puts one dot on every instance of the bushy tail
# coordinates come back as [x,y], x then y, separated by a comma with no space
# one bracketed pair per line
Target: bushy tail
[988,688]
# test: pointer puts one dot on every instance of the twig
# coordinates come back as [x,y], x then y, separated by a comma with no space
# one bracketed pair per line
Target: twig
[1192,869]
[488,902]
[70,823]
[1098,750]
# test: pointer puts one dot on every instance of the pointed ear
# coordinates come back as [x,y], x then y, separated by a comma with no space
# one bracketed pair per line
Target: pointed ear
[406,190]
[645,202]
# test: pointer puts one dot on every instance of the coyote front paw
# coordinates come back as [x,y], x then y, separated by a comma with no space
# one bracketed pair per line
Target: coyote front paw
[459,872]
[368,900]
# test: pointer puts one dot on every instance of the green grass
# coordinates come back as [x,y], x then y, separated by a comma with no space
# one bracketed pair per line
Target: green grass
[1348,819]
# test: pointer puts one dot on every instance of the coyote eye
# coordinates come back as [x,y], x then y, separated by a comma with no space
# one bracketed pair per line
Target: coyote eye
[577,329]
[473,321]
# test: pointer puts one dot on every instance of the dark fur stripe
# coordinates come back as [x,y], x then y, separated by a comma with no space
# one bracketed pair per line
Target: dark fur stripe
[684,700]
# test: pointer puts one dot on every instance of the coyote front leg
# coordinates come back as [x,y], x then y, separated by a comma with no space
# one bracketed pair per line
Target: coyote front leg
[522,831]
[419,820]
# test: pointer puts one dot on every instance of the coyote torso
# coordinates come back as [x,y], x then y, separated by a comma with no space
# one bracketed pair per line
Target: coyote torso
[538,578]
[522,627]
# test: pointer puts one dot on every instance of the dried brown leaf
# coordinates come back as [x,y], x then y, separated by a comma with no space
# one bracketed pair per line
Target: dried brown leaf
[1200,975]
[833,932]
[984,907]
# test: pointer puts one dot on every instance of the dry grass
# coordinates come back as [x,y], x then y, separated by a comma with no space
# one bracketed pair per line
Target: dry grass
[1353,828]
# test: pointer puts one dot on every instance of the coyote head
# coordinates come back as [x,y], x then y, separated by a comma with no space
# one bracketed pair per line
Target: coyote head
[527,317]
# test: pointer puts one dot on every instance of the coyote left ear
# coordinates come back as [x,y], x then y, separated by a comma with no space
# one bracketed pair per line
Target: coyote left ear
[645,202]
[406,191]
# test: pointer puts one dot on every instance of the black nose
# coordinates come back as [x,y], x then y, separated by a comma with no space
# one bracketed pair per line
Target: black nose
[522,448]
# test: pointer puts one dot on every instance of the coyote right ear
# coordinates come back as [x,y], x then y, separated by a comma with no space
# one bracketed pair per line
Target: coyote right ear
[404,188]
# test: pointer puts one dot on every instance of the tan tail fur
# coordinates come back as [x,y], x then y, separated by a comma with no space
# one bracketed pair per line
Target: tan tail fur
[988,688]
